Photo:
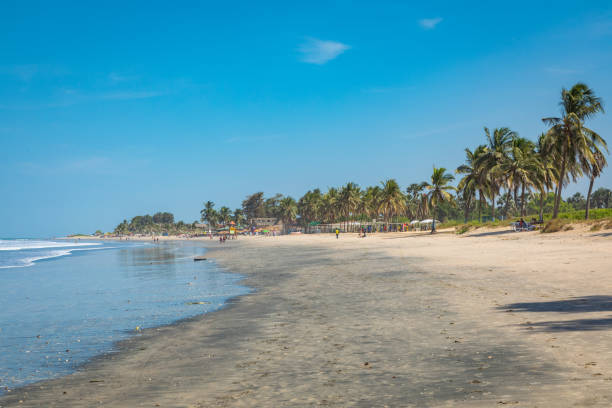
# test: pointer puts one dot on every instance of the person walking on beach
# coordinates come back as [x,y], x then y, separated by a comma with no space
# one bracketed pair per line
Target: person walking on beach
[337,233]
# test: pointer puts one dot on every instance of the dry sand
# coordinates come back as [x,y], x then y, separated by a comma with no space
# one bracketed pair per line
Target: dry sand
[489,319]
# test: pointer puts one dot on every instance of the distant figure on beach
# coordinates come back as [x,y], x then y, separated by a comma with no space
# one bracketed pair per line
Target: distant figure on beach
[337,233]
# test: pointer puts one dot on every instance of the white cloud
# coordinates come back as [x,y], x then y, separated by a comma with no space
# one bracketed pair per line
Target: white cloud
[315,51]
[430,23]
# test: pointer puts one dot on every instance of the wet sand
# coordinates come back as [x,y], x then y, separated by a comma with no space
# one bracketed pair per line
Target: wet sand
[491,319]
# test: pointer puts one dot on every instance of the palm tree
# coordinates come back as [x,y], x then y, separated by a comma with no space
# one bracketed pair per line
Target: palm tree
[594,170]
[496,152]
[370,201]
[350,197]
[439,190]
[225,215]
[208,213]
[287,211]
[471,181]
[522,169]
[416,201]
[392,201]
[330,204]
[547,174]
[239,217]
[309,206]
[570,139]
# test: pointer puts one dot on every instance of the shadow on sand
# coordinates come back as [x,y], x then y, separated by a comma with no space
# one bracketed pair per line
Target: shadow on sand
[492,233]
[571,325]
[584,304]
[598,303]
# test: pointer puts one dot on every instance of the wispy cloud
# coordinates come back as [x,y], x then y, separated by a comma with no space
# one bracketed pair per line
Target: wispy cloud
[441,130]
[98,165]
[23,72]
[252,139]
[69,97]
[115,77]
[126,95]
[430,23]
[315,51]
[387,89]
[28,72]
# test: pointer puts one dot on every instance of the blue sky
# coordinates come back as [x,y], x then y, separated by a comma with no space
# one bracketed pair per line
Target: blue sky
[107,113]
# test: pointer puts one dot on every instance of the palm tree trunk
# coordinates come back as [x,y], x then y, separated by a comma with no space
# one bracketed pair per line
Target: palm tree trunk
[433,224]
[516,194]
[559,189]
[588,199]
[493,207]
[522,200]
[467,210]
[507,206]
[479,205]
[542,205]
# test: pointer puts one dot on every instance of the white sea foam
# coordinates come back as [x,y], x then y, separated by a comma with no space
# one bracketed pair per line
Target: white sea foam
[24,252]
[20,244]
[24,262]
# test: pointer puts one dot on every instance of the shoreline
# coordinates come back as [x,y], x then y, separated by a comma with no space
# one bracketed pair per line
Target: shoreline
[126,345]
[323,308]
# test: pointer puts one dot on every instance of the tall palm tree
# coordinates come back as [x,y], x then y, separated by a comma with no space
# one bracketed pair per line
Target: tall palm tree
[496,153]
[570,139]
[439,190]
[225,215]
[416,201]
[287,211]
[521,168]
[392,200]
[370,201]
[309,207]
[594,170]
[472,179]
[330,204]
[239,217]
[547,175]
[208,213]
[350,197]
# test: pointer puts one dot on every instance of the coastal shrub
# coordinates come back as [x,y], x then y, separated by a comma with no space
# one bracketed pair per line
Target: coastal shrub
[596,227]
[462,229]
[554,225]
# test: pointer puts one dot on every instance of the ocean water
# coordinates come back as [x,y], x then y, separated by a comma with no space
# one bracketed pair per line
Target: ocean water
[64,302]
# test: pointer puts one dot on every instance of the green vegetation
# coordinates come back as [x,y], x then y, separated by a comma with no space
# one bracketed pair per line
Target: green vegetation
[596,214]
[439,190]
[159,223]
[506,177]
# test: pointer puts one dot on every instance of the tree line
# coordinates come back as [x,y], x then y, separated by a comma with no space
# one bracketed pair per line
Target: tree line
[507,175]
[157,223]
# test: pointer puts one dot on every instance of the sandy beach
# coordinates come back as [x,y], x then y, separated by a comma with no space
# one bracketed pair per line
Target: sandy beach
[491,318]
